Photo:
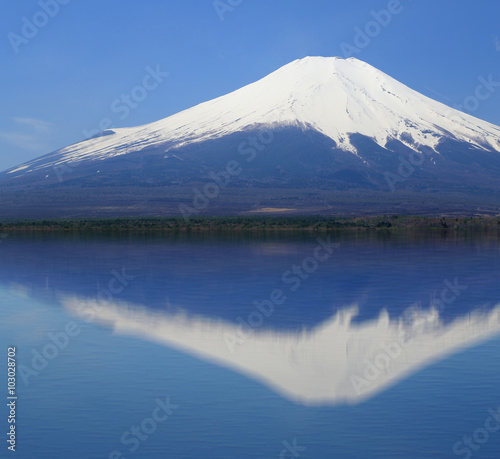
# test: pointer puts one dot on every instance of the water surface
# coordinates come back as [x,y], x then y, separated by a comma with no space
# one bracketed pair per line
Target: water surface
[349,345]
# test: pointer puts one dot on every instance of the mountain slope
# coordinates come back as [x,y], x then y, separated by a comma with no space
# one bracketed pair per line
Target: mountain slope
[316,123]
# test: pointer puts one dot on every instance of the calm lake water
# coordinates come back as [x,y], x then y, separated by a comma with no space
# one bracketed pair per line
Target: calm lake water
[362,345]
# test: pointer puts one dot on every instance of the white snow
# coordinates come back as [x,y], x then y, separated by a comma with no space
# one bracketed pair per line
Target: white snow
[324,365]
[17,169]
[333,95]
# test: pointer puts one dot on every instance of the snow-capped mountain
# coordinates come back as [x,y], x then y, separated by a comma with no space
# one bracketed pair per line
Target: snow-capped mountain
[328,365]
[327,123]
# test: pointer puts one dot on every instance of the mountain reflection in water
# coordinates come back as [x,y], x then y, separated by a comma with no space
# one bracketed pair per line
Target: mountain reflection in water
[338,361]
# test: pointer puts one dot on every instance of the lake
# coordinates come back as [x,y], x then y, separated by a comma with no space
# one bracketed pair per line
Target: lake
[332,345]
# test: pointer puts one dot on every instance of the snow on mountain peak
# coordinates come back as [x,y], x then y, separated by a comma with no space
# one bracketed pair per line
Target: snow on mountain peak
[333,95]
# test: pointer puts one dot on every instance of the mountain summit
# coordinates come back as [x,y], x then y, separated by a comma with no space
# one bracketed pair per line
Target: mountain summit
[313,130]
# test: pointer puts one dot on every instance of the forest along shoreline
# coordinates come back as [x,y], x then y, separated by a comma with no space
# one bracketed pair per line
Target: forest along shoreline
[253,223]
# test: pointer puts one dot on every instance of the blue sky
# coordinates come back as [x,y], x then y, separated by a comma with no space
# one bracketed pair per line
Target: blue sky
[70,67]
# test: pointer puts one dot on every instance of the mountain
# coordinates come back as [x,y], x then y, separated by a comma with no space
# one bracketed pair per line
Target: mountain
[319,135]
[337,362]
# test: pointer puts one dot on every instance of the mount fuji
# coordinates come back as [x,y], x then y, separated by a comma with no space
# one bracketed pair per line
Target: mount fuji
[319,135]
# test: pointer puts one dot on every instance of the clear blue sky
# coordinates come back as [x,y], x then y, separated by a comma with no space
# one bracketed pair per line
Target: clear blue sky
[71,70]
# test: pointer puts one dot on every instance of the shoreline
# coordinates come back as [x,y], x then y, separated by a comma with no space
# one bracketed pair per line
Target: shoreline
[253,224]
